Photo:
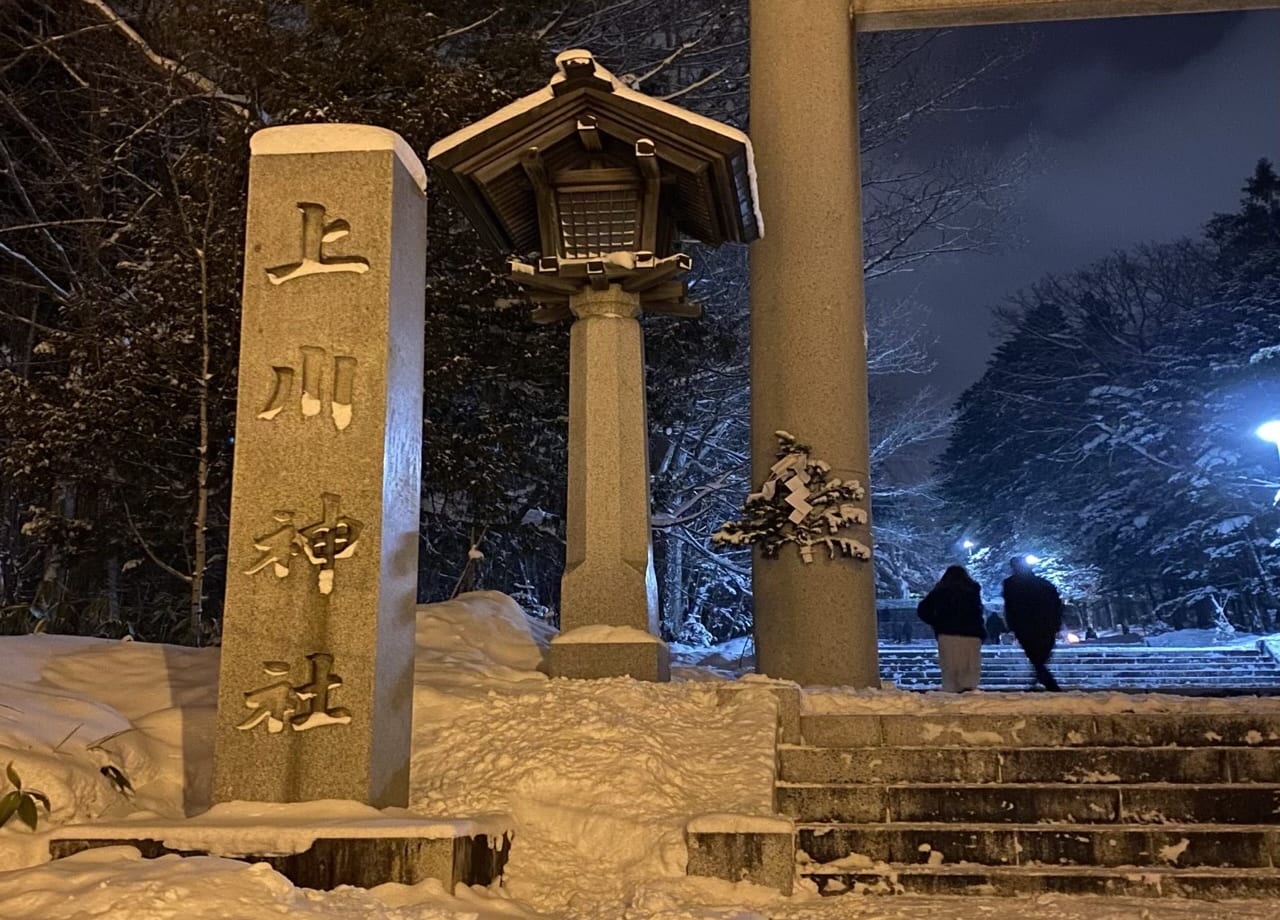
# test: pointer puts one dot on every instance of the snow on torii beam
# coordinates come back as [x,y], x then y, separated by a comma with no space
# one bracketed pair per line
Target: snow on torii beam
[816,623]
[886,15]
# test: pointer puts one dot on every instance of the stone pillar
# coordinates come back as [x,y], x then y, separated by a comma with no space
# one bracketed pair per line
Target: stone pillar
[609,593]
[814,623]
[316,690]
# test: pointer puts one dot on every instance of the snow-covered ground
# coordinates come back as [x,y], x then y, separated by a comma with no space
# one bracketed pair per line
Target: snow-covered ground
[597,778]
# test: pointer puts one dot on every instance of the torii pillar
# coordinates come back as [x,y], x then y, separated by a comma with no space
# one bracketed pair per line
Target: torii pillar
[815,623]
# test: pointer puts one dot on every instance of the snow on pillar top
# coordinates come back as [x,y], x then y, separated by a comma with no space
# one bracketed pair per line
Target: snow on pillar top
[337,138]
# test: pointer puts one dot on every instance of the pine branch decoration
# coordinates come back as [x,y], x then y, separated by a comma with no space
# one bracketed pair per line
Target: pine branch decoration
[799,504]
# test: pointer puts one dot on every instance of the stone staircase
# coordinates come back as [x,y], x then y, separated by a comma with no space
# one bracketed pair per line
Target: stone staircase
[1086,667]
[1124,804]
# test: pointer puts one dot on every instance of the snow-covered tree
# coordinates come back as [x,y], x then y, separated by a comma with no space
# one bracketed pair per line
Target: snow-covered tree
[1115,423]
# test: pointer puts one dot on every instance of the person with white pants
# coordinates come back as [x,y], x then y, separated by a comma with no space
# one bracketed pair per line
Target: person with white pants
[954,609]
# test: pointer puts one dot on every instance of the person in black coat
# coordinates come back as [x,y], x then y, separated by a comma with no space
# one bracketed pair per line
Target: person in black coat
[995,628]
[954,609]
[1033,612]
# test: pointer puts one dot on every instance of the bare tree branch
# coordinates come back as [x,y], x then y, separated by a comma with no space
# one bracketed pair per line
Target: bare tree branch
[462,30]
[196,80]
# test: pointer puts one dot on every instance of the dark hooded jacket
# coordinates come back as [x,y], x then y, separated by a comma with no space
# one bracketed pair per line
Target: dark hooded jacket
[954,607]
[1033,609]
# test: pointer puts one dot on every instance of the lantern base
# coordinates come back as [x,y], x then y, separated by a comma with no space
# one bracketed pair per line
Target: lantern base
[580,654]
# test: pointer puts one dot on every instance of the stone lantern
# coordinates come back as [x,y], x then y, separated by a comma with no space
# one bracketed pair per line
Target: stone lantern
[593,184]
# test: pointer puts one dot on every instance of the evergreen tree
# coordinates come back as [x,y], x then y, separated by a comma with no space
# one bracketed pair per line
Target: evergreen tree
[1115,423]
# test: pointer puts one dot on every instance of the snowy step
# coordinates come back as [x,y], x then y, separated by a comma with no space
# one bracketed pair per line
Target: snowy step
[1014,672]
[1222,670]
[1032,803]
[1254,659]
[1259,686]
[1067,653]
[1220,675]
[1019,662]
[1242,664]
[1237,846]
[1234,688]
[1129,649]
[1075,651]
[1216,676]
[1225,677]
[1042,730]
[1111,678]
[1029,765]
[1022,681]
[1067,661]
[1175,679]
[1212,884]
[1198,670]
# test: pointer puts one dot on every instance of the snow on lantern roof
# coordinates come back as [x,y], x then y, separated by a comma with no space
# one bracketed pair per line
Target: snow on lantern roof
[707,166]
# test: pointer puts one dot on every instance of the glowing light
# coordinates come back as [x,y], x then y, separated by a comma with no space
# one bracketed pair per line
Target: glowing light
[1031,559]
[1072,638]
[968,544]
[1270,431]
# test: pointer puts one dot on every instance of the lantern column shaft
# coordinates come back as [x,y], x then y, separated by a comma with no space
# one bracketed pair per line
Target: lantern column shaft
[814,623]
[609,598]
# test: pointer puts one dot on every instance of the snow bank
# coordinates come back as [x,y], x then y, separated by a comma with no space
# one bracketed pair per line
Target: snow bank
[600,777]
[70,707]
[477,643]
[727,660]
[115,883]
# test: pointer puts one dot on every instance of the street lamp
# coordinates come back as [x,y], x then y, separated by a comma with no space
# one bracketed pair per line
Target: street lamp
[1270,431]
[968,544]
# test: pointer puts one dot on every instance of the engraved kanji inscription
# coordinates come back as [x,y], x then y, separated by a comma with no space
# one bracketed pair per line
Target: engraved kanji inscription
[329,539]
[279,392]
[314,694]
[277,547]
[273,704]
[312,397]
[316,232]
[303,707]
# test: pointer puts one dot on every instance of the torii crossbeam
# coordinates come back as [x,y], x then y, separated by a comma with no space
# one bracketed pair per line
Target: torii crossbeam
[815,623]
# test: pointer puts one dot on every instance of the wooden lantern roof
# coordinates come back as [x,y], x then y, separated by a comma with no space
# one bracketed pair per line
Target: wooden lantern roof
[584,114]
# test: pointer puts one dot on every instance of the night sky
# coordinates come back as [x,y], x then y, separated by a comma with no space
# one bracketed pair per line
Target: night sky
[1144,128]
